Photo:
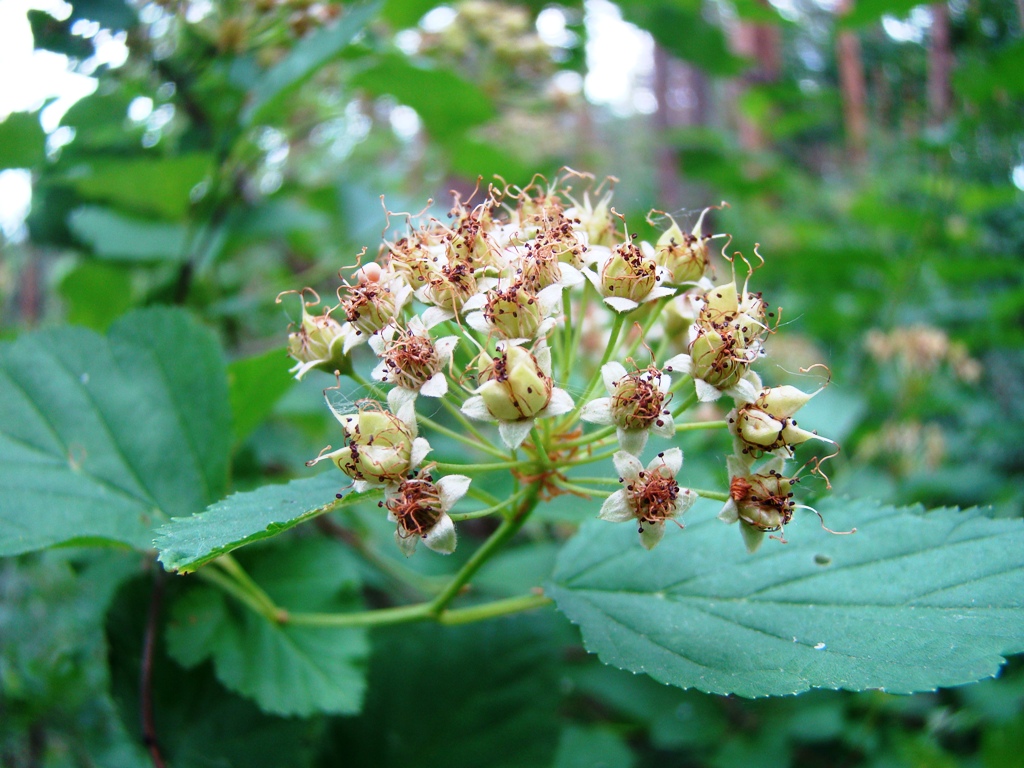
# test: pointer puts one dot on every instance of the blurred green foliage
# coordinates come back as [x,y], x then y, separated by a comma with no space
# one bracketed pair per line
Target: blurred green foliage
[241,151]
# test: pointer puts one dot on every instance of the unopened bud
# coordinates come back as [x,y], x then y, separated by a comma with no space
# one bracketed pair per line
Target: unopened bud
[513,385]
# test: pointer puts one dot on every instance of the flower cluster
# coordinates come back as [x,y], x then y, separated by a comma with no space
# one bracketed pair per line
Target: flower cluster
[512,312]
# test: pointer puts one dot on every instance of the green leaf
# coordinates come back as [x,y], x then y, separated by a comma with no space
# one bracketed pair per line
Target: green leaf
[198,723]
[869,11]
[483,694]
[287,670]
[304,59]
[96,294]
[101,437]
[592,747]
[447,104]
[242,518]
[680,28]
[148,186]
[257,383]
[114,236]
[912,601]
[22,141]
[405,13]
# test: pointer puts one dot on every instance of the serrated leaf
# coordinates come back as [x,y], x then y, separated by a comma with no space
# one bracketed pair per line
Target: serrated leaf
[287,670]
[186,543]
[912,601]
[101,437]
[198,723]
[304,59]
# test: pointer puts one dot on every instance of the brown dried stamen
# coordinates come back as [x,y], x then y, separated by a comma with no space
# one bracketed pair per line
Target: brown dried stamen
[411,360]
[653,496]
[416,506]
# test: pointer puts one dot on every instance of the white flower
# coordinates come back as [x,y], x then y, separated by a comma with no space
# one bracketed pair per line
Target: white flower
[420,507]
[412,361]
[650,496]
[635,404]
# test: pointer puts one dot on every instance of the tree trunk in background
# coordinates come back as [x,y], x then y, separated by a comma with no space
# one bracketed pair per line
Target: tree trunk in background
[853,88]
[940,65]
[682,94]
[762,43]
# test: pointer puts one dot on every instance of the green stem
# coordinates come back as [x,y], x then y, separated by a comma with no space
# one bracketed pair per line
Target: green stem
[244,580]
[484,443]
[377,617]
[508,528]
[369,386]
[469,442]
[243,596]
[488,511]
[701,425]
[613,338]
[686,405]
[581,490]
[494,609]
[716,495]
[471,468]
[587,439]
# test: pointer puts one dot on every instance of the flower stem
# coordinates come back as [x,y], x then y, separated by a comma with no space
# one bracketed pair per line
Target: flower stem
[488,511]
[620,320]
[508,528]
[471,468]
[494,609]
[716,495]
[701,425]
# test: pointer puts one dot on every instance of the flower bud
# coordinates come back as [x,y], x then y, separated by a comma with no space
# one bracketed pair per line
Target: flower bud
[628,274]
[782,402]
[369,306]
[758,428]
[716,359]
[515,312]
[763,500]
[513,386]
[682,254]
[380,446]
[318,343]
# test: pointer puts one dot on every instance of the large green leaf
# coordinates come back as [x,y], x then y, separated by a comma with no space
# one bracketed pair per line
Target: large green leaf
[101,437]
[242,518]
[197,723]
[96,293]
[149,186]
[304,59]
[22,141]
[447,103]
[257,383]
[287,670]
[115,236]
[482,694]
[910,602]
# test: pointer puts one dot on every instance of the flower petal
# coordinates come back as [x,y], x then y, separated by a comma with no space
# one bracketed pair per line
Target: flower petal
[442,538]
[627,465]
[620,303]
[450,489]
[730,512]
[672,458]
[435,386]
[705,392]
[476,408]
[684,500]
[598,411]
[616,508]
[651,534]
[399,396]
[664,426]
[420,449]
[611,373]
[406,543]
[434,315]
[514,432]
[560,402]
[752,537]
[632,440]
